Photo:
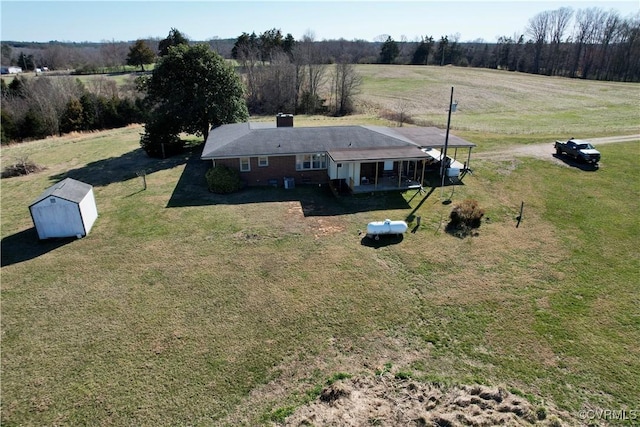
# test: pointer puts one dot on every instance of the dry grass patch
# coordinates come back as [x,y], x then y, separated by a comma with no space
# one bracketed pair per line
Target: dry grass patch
[502,103]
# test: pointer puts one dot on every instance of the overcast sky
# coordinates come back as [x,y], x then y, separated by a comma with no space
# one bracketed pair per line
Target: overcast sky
[96,21]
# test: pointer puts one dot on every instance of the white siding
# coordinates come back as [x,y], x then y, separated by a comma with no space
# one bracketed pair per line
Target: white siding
[55,217]
[336,172]
[89,211]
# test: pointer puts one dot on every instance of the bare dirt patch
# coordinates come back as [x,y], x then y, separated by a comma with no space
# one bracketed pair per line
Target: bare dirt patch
[318,226]
[389,401]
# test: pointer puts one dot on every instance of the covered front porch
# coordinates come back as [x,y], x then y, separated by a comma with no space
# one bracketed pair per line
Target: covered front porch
[379,169]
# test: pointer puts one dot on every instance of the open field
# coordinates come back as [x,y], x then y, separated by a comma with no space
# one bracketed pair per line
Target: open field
[186,308]
[495,104]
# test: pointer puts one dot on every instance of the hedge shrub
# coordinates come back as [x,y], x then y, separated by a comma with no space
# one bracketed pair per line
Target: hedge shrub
[223,179]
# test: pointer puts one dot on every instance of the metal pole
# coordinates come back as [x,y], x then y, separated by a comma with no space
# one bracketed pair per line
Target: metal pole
[446,144]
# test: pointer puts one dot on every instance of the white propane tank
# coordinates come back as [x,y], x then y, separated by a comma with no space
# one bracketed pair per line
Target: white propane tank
[376,228]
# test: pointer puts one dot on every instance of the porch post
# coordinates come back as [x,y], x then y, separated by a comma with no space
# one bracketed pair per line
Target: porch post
[400,173]
[469,158]
[376,181]
[424,163]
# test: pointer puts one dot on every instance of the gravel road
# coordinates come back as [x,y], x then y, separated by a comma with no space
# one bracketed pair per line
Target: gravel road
[545,151]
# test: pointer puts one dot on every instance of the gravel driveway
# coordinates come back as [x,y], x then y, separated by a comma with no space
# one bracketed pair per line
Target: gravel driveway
[545,151]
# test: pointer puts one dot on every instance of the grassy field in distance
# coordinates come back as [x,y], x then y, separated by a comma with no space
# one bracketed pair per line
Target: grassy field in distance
[184,307]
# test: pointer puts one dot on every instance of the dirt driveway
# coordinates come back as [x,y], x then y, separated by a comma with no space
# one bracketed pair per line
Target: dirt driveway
[545,151]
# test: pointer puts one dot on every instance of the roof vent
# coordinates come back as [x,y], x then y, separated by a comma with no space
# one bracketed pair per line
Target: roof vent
[284,120]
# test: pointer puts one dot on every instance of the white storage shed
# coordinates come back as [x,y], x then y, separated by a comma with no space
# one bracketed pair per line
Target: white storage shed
[66,209]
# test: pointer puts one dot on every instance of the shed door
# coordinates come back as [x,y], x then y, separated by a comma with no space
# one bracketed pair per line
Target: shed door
[54,217]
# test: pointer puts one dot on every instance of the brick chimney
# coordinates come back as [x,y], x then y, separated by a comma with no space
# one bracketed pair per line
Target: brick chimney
[284,120]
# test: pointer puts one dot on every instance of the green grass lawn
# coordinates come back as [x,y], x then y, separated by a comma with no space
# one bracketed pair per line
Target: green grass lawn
[186,308]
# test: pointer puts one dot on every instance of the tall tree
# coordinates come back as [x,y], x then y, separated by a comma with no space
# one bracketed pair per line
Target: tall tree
[174,38]
[139,54]
[558,22]
[422,52]
[271,42]
[26,61]
[311,73]
[443,50]
[113,53]
[588,23]
[6,53]
[538,30]
[191,89]
[288,44]
[346,83]
[608,36]
[389,51]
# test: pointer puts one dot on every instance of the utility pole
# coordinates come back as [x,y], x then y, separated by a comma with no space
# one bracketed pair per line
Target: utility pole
[443,166]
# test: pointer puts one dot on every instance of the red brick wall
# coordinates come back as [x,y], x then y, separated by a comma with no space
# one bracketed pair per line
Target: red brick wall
[279,167]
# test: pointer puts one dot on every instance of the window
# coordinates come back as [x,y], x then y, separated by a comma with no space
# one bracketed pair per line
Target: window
[245,164]
[311,161]
[263,162]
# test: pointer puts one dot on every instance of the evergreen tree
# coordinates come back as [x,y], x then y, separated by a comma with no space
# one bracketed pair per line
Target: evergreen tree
[422,52]
[389,51]
[139,54]
[174,38]
[72,117]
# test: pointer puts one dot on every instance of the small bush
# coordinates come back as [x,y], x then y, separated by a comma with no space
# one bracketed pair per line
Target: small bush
[464,218]
[161,145]
[23,166]
[223,180]
[541,413]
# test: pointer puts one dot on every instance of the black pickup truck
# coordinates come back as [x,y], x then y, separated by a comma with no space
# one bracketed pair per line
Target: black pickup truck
[579,149]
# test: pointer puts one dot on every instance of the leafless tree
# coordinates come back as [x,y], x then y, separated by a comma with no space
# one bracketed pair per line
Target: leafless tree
[278,88]
[103,86]
[310,71]
[538,30]
[558,22]
[345,85]
[609,34]
[627,61]
[403,110]
[56,57]
[248,56]
[588,23]
[114,53]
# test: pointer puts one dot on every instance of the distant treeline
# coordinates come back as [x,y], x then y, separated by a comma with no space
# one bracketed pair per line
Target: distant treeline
[304,76]
[588,43]
[34,108]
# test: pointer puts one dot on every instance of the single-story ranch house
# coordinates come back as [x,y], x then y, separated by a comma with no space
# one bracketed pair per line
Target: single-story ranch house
[364,158]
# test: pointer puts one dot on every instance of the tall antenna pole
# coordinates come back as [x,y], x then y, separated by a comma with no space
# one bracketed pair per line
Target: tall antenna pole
[443,165]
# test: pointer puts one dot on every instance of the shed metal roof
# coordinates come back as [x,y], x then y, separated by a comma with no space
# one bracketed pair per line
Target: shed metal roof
[67,189]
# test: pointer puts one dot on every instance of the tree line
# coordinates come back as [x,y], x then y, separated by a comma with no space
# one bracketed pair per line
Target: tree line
[281,74]
[34,108]
[588,43]
[285,75]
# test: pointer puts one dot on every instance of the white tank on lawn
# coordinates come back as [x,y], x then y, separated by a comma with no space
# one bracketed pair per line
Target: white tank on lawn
[377,228]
